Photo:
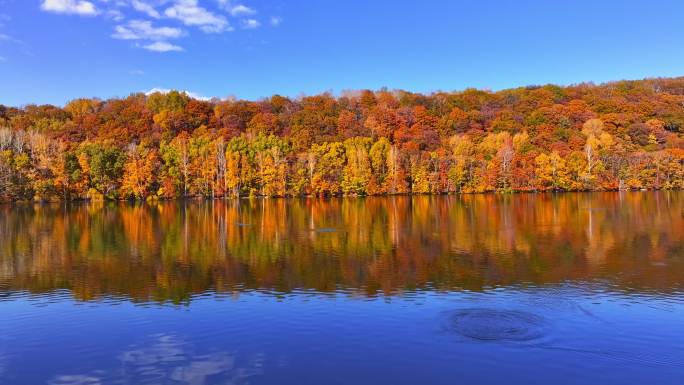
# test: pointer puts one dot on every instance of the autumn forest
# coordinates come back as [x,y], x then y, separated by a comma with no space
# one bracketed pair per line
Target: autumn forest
[618,135]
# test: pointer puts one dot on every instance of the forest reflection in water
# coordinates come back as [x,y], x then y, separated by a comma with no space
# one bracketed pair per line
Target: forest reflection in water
[170,251]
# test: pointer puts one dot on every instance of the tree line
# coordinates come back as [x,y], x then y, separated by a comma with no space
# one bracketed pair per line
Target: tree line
[618,135]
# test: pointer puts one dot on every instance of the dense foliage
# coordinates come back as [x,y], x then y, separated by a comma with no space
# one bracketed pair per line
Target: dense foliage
[620,135]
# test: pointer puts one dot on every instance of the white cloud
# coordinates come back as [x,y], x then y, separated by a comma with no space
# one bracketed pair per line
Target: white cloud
[143,30]
[236,10]
[276,20]
[156,37]
[250,24]
[191,14]
[145,8]
[167,90]
[162,46]
[194,13]
[76,7]
[115,15]
[137,72]
[241,10]
[4,38]
[2,59]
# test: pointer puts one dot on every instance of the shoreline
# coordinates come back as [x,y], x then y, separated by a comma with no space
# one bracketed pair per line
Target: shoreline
[334,196]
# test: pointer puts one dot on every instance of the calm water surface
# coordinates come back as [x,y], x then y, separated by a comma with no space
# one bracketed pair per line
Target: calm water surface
[484,289]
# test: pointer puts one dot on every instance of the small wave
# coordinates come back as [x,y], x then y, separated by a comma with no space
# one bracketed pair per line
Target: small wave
[646,359]
[497,325]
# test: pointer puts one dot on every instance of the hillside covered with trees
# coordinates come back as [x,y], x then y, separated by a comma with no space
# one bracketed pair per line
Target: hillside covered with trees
[619,135]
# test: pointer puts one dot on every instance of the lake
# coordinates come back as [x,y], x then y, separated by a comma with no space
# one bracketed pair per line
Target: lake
[475,289]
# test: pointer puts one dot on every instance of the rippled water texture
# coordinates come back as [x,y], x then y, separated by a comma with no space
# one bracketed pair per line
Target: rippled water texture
[482,289]
[497,325]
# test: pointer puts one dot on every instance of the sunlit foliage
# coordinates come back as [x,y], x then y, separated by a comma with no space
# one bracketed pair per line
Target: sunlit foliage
[620,135]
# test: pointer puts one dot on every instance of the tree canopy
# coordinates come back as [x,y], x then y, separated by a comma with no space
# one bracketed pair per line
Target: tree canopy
[618,135]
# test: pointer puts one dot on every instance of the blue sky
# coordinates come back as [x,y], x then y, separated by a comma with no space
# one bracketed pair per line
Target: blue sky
[52,51]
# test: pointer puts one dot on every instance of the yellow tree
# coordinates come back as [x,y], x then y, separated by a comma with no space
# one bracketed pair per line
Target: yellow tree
[396,173]
[551,171]
[597,141]
[357,171]
[140,171]
[327,173]
[273,172]
[378,153]
[460,173]
[576,165]
[233,181]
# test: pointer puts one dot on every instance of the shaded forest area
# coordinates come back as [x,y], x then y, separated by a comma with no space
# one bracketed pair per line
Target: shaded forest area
[618,135]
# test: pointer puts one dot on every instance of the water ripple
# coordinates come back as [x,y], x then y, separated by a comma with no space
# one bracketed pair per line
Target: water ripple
[497,325]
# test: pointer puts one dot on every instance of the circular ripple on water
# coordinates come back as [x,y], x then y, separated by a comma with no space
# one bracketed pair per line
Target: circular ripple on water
[497,325]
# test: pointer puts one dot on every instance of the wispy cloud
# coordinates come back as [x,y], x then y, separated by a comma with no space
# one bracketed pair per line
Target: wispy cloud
[75,7]
[241,10]
[137,72]
[250,23]
[145,8]
[10,40]
[5,38]
[191,14]
[202,15]
[162,46]
[193,95]
[156,37]
[144,30]
[114,14]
